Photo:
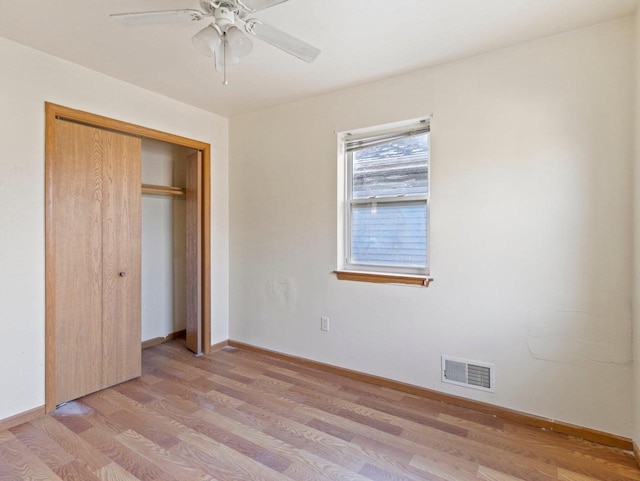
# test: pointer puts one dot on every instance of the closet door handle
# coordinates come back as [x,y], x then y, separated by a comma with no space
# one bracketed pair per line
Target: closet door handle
[122,274]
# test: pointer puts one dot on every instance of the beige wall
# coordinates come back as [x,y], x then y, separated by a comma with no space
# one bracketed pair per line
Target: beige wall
[28,78]
[531,228]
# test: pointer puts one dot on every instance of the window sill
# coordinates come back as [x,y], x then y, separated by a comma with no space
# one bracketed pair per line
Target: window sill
[383,278]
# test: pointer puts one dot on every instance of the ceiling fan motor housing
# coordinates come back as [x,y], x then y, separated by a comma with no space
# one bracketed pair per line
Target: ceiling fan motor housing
[224,17]
[210,6]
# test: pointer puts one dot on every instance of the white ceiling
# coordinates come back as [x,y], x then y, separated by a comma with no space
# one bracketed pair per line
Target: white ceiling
[361,41]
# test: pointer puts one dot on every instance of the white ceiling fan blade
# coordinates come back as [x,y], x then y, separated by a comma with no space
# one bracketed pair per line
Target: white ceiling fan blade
[140,19]
[283,41]
[256,5]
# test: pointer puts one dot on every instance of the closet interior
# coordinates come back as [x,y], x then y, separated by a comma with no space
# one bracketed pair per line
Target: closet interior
[164,240]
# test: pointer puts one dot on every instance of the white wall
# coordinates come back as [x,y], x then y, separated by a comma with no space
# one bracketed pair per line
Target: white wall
[158,273]
[531,228]
[28,78]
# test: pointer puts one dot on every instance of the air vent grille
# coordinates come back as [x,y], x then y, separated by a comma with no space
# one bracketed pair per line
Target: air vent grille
[455,371]
[477,375]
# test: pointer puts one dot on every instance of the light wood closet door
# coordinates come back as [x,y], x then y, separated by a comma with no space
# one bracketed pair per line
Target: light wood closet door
[194,253]
[121,259]
[95,255]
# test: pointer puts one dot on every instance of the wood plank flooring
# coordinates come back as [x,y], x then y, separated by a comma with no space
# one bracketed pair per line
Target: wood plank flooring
[235,415]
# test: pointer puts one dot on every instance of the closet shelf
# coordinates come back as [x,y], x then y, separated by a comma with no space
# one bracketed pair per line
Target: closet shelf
[162,190]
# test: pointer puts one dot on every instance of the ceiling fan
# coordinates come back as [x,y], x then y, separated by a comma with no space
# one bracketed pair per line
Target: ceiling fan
[227,37]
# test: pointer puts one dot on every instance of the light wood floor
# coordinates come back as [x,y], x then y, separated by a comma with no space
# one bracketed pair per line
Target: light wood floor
[235,415]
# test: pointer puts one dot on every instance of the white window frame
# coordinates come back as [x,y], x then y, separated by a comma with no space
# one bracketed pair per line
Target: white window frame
[345,200]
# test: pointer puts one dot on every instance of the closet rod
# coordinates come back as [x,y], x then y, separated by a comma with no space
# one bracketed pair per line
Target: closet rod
[162,190]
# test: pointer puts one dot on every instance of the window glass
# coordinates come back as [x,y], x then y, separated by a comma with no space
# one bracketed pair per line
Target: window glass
[395,168]
[389,234]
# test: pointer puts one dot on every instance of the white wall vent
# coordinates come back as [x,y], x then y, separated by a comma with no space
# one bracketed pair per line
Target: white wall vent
[476,375]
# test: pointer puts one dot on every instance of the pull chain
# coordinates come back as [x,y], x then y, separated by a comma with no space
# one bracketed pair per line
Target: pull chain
[224,59]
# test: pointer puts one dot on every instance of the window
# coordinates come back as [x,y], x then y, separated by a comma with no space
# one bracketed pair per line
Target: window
[385,200]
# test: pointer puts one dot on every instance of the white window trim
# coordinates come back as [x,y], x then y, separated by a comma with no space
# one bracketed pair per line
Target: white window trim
[345,202]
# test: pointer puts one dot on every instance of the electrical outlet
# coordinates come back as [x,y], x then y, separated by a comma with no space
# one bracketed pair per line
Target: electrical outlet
[324,324]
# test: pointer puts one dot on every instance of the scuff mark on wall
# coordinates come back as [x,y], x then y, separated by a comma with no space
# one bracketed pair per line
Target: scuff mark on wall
[283,291]
[572,330]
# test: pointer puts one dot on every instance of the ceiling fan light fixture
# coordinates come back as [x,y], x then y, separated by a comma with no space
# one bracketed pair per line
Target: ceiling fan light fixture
[206,41]
[239,45]
[225,60]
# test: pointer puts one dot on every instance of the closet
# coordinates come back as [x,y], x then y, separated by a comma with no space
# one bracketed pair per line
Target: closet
[165,249]
[127,252]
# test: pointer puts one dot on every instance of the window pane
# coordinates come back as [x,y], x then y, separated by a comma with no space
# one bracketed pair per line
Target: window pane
[389,234]
[393,168]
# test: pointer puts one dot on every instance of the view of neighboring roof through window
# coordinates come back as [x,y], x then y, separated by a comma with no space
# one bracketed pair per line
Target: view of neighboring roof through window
[387,199]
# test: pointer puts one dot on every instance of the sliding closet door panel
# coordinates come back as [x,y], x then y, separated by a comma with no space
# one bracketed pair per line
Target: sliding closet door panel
[121,274]
[95,198]
[193,252]
[77,191]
